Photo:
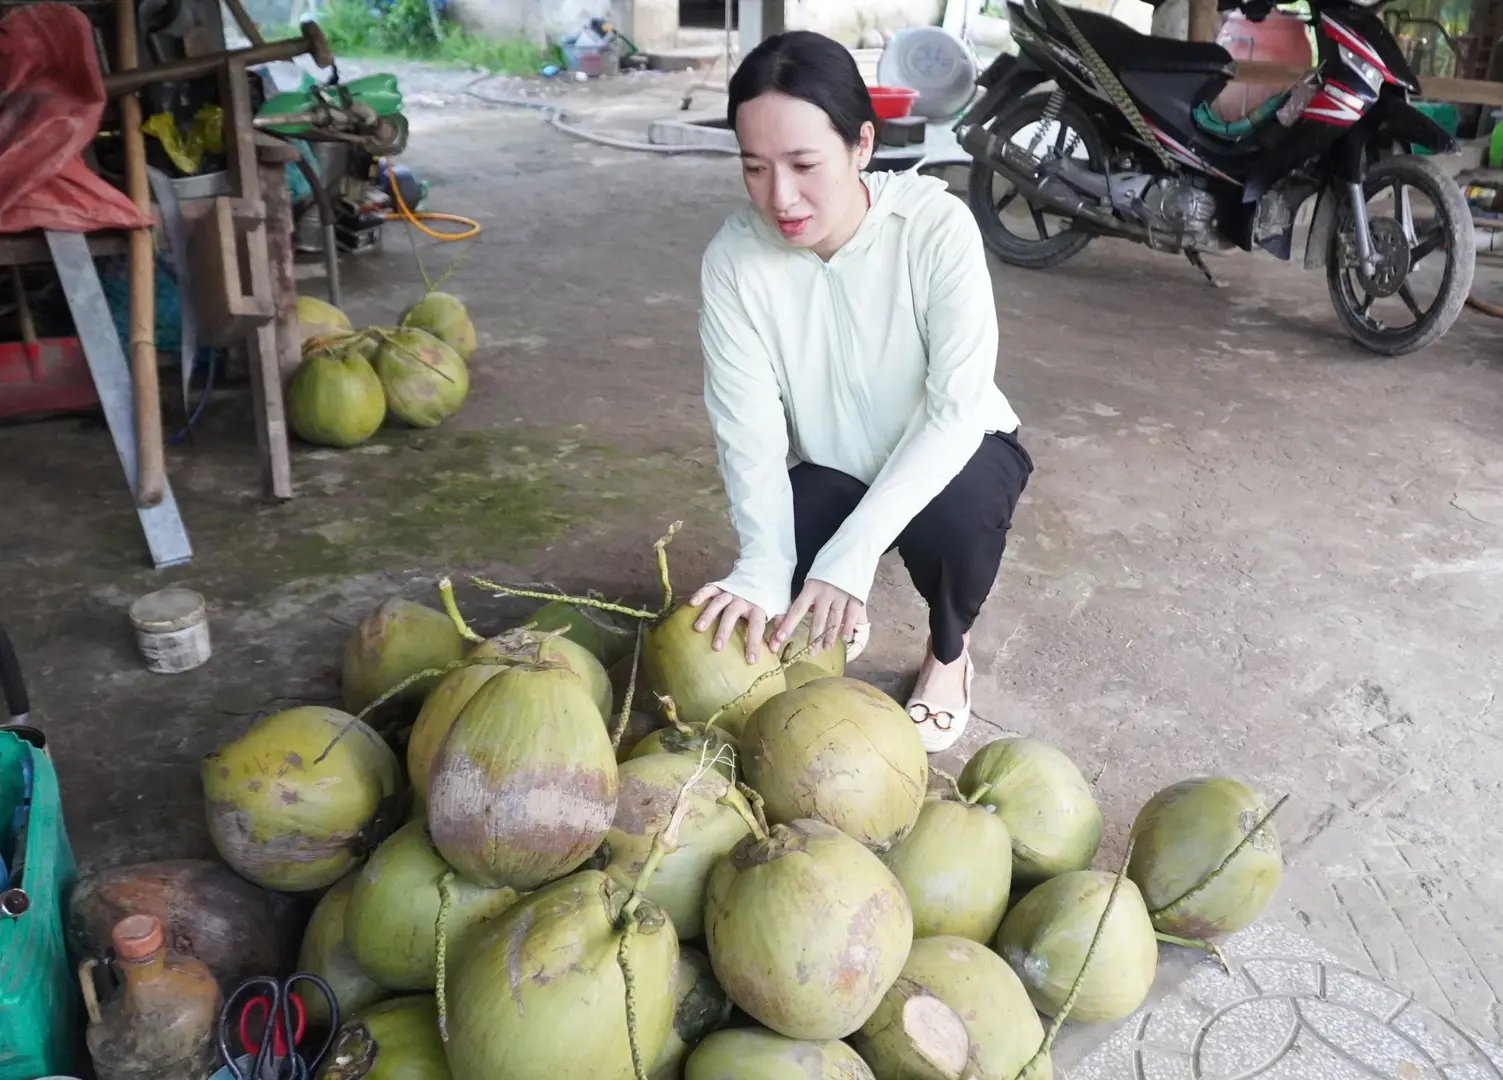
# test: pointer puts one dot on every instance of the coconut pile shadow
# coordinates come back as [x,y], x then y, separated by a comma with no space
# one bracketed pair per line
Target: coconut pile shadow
[771,883]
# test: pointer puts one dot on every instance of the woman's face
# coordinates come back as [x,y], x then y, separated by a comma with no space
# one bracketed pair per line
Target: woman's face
[799,172]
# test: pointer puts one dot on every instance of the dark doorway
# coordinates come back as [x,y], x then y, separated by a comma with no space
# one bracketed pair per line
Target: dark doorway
[707,14]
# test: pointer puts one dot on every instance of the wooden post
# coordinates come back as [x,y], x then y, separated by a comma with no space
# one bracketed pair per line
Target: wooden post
[274,159]
[151,464]
[1205,20]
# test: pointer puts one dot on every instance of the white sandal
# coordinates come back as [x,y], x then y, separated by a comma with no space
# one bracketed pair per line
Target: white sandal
[941,727]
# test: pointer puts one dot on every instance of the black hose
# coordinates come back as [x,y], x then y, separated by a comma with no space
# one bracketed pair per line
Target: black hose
[326,217]
[17,702]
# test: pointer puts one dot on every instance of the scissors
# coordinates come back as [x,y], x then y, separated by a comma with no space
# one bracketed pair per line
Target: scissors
[283,1019]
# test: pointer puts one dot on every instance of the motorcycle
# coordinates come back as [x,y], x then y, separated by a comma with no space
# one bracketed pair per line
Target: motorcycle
[1113,131]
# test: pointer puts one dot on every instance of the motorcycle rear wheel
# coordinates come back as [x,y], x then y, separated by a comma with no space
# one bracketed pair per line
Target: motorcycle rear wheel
[1402,244]
[1044,251]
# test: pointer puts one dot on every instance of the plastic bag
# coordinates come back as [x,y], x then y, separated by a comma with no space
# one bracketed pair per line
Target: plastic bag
[51,99]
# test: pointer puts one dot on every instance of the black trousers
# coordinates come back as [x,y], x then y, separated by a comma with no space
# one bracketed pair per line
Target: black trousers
[952,548]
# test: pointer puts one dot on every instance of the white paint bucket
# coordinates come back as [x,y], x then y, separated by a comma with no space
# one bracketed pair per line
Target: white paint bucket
[172,630]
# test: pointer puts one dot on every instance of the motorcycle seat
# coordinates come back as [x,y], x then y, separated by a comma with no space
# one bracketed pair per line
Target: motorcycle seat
[1124,49]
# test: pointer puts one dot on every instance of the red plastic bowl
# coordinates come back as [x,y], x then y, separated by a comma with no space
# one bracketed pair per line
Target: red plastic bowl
[892,102]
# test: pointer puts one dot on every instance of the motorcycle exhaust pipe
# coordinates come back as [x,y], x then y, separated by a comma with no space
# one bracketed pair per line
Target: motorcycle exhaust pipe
[1068,192]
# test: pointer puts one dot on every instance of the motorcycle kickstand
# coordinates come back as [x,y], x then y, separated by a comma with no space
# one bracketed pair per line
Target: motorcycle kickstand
[1200,264]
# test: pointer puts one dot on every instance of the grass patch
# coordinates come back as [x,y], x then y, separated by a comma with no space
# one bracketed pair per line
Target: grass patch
[407,30]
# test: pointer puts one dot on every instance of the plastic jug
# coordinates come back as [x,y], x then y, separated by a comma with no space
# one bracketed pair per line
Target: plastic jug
[162,1023]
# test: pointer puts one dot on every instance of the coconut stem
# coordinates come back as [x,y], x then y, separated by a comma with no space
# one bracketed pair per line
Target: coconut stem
[445,901]
[670,713]
[752,823]
[660,550]
[1200,946]
[605,626]
[426,673]
[758,806]
[1226,862]
[451,608]
[976,796]
[744,695]
[947,778]
[666,840]
[655,856]
[631,691]
[578,601]
[1079,984]
[638,1066]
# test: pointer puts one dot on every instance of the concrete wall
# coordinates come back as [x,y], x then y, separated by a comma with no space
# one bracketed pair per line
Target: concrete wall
[847,20]
[653,24]
[537,19]
[650,24]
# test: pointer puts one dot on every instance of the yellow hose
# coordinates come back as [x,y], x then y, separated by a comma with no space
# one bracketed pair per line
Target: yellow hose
[416,219]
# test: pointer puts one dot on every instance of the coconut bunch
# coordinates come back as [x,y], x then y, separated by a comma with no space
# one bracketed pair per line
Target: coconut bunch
[772,885]
[350,381]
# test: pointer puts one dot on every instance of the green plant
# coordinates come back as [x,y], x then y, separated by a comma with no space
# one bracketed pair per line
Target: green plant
[408,30]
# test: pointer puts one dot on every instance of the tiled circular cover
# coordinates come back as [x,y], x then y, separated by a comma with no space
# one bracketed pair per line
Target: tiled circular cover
[1297,1018]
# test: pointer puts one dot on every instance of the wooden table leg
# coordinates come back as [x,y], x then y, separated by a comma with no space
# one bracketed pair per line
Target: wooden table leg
[278,202]
[151,460]
[271,415]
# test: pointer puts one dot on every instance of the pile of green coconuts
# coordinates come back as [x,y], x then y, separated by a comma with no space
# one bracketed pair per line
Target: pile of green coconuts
[773,884]
[350,381]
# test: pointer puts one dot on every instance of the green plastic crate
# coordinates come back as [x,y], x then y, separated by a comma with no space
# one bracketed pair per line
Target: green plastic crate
[40,1005]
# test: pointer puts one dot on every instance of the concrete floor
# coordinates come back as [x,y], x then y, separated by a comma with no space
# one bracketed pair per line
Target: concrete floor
[1249,548]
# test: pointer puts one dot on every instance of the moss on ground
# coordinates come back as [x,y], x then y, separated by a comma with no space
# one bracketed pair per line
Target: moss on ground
[447,498]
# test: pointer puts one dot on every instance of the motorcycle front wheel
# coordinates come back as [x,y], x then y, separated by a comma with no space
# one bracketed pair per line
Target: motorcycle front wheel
[1017,232]
[1416,212]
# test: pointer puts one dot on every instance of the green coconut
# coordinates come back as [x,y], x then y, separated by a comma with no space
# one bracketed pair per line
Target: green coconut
[395,1040]
[1204,865]
[956,869]
[393,912]
[806,930]
[839,751]
[300,798]
[542,996]
[325,953]
[698,744]
[756,1054]
[831,661]
[713,819]
[425,380]
[606,636]
[1044,801]
[950,981]
[397,640]
[523,788]
[802,673]
[1046,935]
[444,316]
[334,397]
[699,1007]
[442,706]
[320,319]
[678,661]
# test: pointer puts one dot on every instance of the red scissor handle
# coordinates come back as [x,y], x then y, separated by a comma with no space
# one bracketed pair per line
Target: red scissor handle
[262,1005]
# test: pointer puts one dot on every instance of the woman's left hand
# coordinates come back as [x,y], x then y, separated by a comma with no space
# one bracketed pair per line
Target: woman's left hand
[834,615]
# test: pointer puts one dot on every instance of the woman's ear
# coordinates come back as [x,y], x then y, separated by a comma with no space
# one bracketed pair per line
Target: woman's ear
[867,144]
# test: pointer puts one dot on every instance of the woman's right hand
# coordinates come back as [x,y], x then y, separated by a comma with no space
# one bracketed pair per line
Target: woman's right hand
[729,609]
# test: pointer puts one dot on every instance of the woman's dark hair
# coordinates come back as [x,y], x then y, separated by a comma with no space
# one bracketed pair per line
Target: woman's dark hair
[811,67]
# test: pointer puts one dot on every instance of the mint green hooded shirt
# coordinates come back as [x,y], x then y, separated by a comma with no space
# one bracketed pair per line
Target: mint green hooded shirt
[880,362]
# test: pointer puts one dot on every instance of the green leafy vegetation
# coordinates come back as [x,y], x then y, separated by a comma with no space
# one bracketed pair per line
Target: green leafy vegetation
[409,30]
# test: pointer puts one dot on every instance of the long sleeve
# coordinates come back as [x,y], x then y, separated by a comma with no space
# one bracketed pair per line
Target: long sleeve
[948,425]
[746,414]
